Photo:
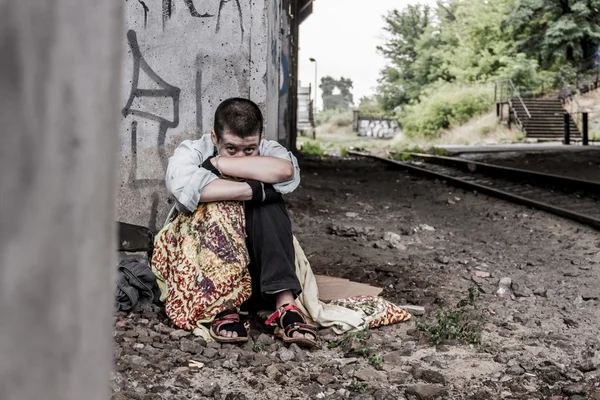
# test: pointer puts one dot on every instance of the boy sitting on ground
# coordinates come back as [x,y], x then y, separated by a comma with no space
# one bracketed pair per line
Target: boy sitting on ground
[202,256]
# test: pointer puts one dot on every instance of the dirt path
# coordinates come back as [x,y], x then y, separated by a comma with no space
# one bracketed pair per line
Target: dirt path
[539,341]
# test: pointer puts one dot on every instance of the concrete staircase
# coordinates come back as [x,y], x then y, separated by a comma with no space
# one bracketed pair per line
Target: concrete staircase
[547,116]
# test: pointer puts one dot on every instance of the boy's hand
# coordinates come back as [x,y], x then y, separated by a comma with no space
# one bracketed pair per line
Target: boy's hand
[209,165]
[262,193]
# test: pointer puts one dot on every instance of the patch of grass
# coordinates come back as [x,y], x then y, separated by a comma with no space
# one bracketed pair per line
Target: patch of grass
[357,387]
[454,323]
[376,360]
[438,151]
[258,347]
[313,148]
[405,156]
[401,157]
[361,336]
[374,357]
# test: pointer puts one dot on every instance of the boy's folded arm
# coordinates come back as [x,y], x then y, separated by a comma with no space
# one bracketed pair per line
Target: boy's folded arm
[223,190]
[260,168]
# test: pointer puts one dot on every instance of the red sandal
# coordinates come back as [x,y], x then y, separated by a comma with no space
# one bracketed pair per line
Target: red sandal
[229,321]
[288,324]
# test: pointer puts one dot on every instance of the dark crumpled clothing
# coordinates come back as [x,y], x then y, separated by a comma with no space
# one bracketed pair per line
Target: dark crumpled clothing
[135,280]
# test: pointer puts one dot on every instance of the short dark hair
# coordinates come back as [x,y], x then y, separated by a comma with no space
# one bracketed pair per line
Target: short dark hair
[242,117]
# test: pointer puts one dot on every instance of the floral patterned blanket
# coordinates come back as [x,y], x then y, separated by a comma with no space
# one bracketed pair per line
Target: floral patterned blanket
[200,261]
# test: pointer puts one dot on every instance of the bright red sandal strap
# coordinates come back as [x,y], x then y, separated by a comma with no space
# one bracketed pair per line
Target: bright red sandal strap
[280,311]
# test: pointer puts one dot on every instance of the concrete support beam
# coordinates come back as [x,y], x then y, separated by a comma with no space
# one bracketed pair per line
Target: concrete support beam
[59,99]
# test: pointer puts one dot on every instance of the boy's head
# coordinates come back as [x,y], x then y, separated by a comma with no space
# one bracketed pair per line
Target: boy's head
[238,128]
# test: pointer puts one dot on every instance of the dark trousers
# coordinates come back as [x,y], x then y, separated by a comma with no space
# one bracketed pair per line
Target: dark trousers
[272,257]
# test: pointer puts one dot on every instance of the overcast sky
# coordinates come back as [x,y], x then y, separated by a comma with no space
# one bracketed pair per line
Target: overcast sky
[342,36]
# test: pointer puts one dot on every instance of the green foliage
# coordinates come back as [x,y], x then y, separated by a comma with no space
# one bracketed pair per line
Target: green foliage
[403,79]
[401,157]
[446,106]
[531,42]
[337,117]
[357,387]
[361,336]
[520,69]
[376,360]
[374,357]
[406,154]
[556,31]
[258,347]
[457,323]
[313,148]
[336,93]
[438,151]
[371,107]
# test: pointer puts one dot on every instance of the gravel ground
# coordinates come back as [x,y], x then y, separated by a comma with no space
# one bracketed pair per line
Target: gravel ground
[535,278]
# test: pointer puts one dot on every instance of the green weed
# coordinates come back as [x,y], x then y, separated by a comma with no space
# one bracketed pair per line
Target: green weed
[438,151]
[357,387]
[376,360]
[365,351]
[313,148]
[258,347]
[454,323]
[401,157]
[361,336]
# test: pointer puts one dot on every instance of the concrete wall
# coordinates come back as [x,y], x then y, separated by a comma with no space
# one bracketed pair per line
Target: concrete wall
[377,127]
[181,59]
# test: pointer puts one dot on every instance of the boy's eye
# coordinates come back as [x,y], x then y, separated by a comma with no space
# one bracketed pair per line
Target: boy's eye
[250,151]
[230,149]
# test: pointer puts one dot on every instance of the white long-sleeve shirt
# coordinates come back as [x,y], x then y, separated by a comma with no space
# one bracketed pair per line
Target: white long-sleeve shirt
[185,176]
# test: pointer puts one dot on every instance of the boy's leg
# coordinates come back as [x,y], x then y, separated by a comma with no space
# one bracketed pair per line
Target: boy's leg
[272,262]
[272,257]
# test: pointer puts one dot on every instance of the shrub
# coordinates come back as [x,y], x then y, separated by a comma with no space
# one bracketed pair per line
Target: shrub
[313,148]
[443,106]
[337,117]
[342,119]
[370,106]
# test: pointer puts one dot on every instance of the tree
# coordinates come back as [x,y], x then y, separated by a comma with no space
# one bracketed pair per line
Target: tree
[555,31]
[370,106]
[401,81]
[476,46]
[336,93]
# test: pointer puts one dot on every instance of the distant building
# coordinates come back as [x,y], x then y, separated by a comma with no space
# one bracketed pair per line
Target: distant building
[305,114]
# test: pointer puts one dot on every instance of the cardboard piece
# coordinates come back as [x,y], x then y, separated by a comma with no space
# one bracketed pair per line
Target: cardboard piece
[331,288]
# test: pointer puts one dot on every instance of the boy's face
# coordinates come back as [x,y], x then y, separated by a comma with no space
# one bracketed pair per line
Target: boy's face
[232,145]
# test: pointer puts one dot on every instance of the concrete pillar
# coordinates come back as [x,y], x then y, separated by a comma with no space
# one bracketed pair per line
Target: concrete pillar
[59,99]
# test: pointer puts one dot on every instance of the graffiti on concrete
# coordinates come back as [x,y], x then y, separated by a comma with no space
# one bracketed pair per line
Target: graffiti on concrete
[239,9]
[164,100]
[146,9]
[168,8]
[377,127]
[166,91]
[193,12]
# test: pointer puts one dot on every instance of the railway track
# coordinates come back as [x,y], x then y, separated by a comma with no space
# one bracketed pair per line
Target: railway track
[576,199]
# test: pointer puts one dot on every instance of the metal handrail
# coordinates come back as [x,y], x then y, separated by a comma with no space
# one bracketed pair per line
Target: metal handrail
[515,92]
[519,97]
